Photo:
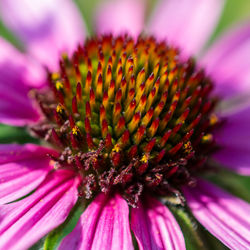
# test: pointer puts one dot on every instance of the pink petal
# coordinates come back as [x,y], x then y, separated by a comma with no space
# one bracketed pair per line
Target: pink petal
[124,16]
[155,227]
[23,223]
[16,152]
[103,225]
[223,215]
[234,139]
[227,61]
[22,169]
[17,75]
[186,23]
[47,27]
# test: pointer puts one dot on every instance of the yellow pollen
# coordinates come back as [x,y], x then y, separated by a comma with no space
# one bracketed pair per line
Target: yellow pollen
[75,130]
[116,148]
[188,147]
[59,108]
[213,119]
[207,138]
[59,85]
[145,158]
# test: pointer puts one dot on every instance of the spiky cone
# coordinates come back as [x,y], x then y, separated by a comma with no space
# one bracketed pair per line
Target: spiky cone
[129,114]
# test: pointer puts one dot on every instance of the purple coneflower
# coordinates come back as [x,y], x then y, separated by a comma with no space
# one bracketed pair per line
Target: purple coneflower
[130,120]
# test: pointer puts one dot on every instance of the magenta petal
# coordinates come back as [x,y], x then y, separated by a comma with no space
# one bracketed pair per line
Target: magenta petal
[155,227]
[223,215]
[124,16]
[104,225]
[237,160]
[22,169]
[16,152]
[186,23]
[17,76]
[234,141]
[227,61]
[32,74]
[47,27]
[23,223]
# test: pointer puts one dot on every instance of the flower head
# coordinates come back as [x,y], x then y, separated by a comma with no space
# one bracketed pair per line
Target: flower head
[131,122]
[128,115]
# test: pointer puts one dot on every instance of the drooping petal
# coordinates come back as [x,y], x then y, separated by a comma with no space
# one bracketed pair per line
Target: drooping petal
[47,27]
[116,17]
[234,141]
[227,61]
[23,223]
[186,23]
[155,227]
[223,215]
[17,75]
[22,169]
[104,225]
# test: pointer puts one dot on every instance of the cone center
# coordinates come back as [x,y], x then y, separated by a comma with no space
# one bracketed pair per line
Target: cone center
[129,115]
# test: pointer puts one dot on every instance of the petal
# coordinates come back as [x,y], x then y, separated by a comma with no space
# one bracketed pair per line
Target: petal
[17,75]
[234,141]
[227,61]
[23,223]
[16,152]
[33,74]
[104,225]
[124,16]
[155,227]
[47,27]
[223,215]
[22,169]
[186,23]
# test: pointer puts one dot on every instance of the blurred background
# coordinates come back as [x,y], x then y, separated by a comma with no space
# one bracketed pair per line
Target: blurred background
[234,11]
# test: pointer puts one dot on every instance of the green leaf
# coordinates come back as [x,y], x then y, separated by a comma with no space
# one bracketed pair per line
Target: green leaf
[193,240]
[9,134]
[54,238]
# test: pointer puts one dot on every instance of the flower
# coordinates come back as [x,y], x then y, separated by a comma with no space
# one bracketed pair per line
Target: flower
[61,175]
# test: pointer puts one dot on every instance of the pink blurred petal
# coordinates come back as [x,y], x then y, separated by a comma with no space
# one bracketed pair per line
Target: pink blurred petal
[223,215]
[47,27]
[120,16]
[155,227]
[23,223]
[32,73]
[22,169]
[186,23]
[234,139]
[18,75]
[103,225]
[237,160]
[228,60]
